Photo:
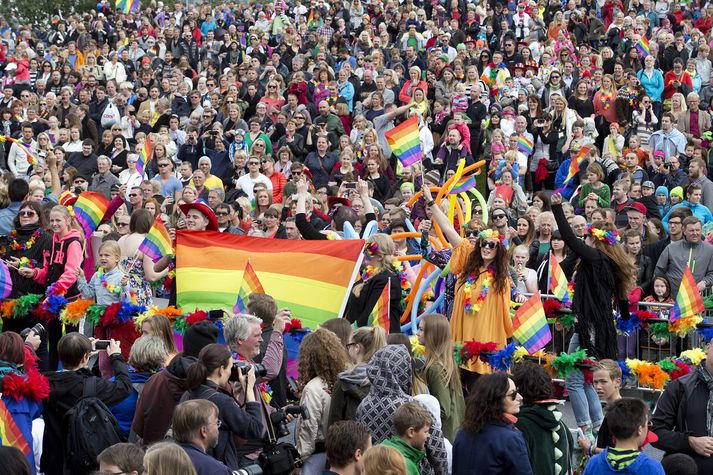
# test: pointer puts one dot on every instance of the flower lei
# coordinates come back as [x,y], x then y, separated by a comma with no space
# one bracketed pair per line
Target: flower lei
[609,237]
[606,99]
[629,93]
[471,307]
[26,262]
[264,388]
[15,246]
[111,288]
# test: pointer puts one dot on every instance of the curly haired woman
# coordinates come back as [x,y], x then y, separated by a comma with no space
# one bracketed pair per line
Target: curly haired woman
[322,358]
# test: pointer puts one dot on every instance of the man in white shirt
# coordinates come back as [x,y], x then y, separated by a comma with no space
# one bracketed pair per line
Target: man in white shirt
[17,159]
[247,182]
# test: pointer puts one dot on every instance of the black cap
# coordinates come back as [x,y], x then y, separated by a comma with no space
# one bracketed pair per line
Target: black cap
[198,337]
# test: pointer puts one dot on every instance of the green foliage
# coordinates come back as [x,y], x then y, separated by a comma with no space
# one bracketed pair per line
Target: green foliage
[40,11]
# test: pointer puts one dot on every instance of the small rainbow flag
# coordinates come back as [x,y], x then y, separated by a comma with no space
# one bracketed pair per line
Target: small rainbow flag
[575,164]
[642,46]
[250,284]
[157,242]
[525,145]
[530,325]
[464,184]
[10,433]
[557,283]
[379,316]
[405,141]
[145,156]
[89,210]
[5,280]
[688,300]
[128,6]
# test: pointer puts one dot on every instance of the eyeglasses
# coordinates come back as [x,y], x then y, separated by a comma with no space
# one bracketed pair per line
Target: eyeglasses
[133,195]
[297,173]
[512,395]
[162,165]
[498,216]
[259,145]
[80,181]
[478,211]
[121,225]
[217,423]
[271,87]
[489,244]
[677,223]
[470,233]
[253,163]
[28,214]
[221,213]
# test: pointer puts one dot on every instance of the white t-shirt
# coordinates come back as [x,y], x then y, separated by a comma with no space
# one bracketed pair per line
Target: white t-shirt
[246,184]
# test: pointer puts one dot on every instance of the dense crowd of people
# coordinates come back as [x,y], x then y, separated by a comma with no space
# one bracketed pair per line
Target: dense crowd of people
[590,122]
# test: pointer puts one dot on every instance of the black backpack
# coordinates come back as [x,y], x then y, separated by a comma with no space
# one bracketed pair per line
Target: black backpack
[90,428]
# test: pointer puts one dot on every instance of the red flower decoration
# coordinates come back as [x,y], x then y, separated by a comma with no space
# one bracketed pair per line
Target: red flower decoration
[551,306]
[587,372]
[109,317]
[43,314]
[473,349]
[682,369]
[644,316]
[293,324]
[195,317]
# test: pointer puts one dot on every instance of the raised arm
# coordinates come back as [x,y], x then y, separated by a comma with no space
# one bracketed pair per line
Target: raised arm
[573,242]
[446,227]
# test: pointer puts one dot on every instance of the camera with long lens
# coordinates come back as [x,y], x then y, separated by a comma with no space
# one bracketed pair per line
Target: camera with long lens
[278,419]
[39,330]
[244,367]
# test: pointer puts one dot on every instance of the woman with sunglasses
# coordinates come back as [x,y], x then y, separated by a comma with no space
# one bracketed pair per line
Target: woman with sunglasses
[482,298]
[490,415]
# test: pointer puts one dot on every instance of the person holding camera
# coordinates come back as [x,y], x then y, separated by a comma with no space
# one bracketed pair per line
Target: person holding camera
[67,389]
[206,379]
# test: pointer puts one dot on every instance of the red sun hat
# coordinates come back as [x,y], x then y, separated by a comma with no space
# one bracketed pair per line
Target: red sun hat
[205,210]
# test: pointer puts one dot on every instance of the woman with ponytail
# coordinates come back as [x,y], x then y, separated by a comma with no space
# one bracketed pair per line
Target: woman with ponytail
[22,386]
[353,384]
[206,379]
[378,272]
[605,274]
[59,271]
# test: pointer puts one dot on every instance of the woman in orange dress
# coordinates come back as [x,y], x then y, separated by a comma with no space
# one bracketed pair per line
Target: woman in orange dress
[481,309]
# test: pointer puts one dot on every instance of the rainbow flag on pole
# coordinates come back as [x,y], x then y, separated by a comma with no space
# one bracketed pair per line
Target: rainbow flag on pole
[464,184]
[379,316]
[250,284]
[688,300]
[525,145]
[89,210]
[311,278]
[157,242]
[574,164]
[128,6]
[405,141]
[10,433]
[557,283]
[145,156]
[530,325]
[642,46]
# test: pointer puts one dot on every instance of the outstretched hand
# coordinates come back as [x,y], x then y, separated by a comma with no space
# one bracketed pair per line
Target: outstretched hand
[556,199]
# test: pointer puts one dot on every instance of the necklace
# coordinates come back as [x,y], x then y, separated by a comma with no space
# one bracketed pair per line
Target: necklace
[471,307]
[111,288]
[16,246]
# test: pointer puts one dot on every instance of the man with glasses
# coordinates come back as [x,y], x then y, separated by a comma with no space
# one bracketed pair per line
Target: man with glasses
[499,220]
[136,198]
[246,183]
[675,233]
[170,185]
[670,174]
[225,215]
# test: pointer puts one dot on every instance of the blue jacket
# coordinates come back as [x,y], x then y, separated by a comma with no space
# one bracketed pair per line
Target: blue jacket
[653,86]
[204,463]
[699,211]
[124,411]
[643,465]
[499,448]
[24,412]
[562,172]
[7,217]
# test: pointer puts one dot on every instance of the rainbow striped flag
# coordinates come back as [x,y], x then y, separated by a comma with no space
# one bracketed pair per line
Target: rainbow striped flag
[10,433]
[574,165]
[379,316]
[557,283]
[128,6]
[250,284]
[688,300]
[530,325]
[89,210]
[525,145]
[311,278]
[31,159]
[157,242]
[5,280]
[464,184]
[145,156]
[642,46]
[405,141]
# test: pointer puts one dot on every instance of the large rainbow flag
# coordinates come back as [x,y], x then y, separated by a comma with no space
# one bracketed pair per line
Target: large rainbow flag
[530,325]
[311,278]
[10,433]
[558,284]
[688,300]
[89,210]
[525,145]
[128,6]
[157,242]
[250,284]
[145,156]
[379,316]
[405,141]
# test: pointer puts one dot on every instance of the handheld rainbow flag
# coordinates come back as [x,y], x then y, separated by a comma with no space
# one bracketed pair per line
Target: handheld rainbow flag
[10,433]
[525,145]
[157,242]
[5,280]
[557,283]
[31,159]
[250,284]
[145,156]
[379,316]
[128,6]
[530,325]
[314,286]
[642,46]
[574,165]
[89,210]
[464,184]
[688,300]
[405,141]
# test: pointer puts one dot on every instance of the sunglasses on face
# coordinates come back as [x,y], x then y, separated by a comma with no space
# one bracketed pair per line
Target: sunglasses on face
[162,165]
[254,163]
[470,233]
[27,214]
[498,216]
[489,244]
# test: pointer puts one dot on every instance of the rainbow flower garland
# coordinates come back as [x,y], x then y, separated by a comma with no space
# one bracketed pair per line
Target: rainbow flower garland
[15,246]
[609,237]
[470,307]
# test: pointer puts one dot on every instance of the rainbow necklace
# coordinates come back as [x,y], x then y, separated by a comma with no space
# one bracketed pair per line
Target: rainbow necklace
[471,307]
[15,246]
[111,288]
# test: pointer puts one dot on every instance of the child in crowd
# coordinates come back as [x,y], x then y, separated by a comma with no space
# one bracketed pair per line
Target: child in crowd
[628,422]
[411,425]
[662,294]
[607,383]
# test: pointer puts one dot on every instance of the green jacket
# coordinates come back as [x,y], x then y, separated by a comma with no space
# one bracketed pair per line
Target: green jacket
[451,400]
[549,441]
[412,455]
